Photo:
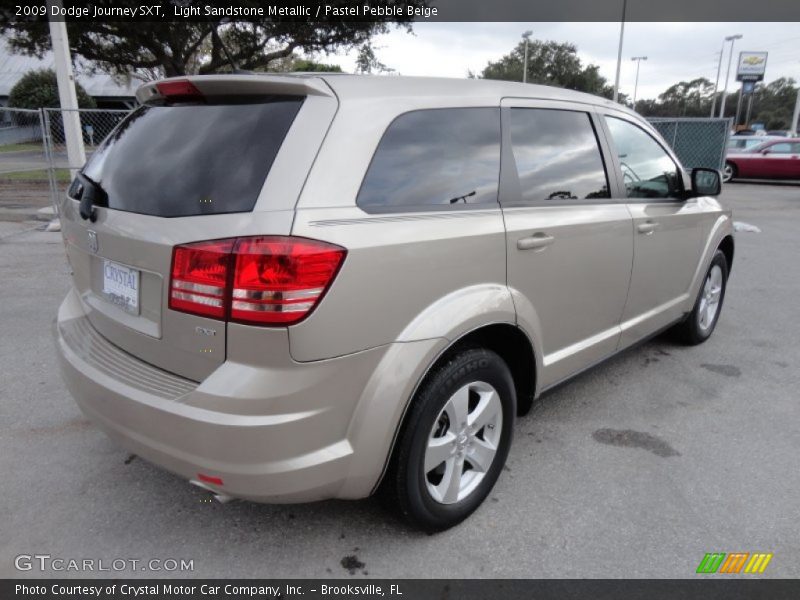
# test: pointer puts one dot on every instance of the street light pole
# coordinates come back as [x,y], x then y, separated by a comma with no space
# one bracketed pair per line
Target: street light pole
[796,115]
[638,60]
[527,37]
[76,155]
[732,39]
[619,51]
[716,83]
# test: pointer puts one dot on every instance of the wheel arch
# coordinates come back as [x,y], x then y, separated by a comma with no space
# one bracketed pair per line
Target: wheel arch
[734,165]
[726,245]
[513,346]
[507,340]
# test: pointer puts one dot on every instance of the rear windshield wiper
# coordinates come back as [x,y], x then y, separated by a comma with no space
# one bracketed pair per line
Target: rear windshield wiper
[90,194]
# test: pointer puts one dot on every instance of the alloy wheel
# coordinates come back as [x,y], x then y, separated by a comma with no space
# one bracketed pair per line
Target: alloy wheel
[709,300]
[463,442]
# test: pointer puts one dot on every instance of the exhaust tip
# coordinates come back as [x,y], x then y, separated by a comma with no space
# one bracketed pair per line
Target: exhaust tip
[218,496]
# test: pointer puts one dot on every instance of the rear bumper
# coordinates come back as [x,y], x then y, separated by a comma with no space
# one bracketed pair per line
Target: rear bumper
[277,434]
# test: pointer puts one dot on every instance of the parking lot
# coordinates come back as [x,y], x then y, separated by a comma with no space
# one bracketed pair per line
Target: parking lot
[634,469]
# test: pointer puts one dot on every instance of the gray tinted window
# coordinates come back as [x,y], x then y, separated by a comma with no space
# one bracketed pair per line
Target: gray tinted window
[781,148]
[439,157]
[647,170]
[557,155]
[185,160]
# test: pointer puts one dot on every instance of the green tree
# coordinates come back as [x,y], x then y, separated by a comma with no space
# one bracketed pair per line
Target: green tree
[309,66]
[170,48]
[367,61]
[39,89]
[682,99]
[773,104]
[550,63]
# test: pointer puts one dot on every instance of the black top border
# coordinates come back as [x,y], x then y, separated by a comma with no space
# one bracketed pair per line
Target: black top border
[403,10]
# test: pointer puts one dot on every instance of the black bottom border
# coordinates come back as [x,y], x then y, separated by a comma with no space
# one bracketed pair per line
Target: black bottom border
[703,587]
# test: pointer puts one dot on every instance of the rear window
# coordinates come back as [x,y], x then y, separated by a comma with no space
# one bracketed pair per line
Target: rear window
[435,158]
[175,161]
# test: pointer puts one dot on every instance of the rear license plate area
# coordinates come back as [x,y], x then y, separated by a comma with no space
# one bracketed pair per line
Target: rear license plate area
[121,286]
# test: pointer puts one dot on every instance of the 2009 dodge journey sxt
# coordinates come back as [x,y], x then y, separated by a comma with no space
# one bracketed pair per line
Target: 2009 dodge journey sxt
[291,288]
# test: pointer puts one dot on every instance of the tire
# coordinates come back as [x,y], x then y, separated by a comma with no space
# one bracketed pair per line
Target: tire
[700,323]
[729,171]
[524,405]
[473,383]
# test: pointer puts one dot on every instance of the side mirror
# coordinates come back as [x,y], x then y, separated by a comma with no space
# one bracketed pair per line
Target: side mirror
[765,151]
[706,182]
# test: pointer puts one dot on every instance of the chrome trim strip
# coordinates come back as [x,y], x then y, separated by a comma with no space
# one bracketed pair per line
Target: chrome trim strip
[207,300]
[299,307]
[639,319]
[394,218]
[277,295]
[554,357]
[200,288]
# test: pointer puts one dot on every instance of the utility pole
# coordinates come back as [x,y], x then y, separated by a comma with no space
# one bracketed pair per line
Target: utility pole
[732,39]
[638,60]
[716,82]
[738,106]
[619,52]
[796,116]
[749,107]
[527,37]
[76,155]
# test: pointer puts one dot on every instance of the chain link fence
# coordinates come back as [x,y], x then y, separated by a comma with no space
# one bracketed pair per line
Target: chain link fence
[24,165]
[35,169]
[697,142]
[95,124]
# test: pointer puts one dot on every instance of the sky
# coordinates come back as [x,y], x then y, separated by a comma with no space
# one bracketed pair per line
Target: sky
[675,51]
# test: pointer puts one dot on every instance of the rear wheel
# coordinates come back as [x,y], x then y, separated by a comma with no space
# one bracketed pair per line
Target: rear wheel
[700,323]
[455,441]
[728,172]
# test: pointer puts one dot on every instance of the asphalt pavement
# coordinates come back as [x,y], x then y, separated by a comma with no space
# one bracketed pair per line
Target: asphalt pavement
[636,468]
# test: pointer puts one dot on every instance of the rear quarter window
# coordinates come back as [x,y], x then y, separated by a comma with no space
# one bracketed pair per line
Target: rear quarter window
[198,159]
[435,159]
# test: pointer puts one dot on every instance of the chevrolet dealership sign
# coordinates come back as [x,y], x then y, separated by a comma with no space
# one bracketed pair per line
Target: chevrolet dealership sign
[751,66]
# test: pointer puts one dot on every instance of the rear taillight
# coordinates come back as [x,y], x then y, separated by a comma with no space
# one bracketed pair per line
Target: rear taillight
[199,280]
[267,280]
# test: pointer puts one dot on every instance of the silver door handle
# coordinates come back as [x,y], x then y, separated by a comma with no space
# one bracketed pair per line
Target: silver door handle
[647,228]
[536,241]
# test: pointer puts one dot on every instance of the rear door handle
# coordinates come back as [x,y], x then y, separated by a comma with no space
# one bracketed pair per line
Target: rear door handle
[536,241]
[647,228]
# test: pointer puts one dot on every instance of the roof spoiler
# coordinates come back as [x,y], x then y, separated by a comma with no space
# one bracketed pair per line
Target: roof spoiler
[228,85]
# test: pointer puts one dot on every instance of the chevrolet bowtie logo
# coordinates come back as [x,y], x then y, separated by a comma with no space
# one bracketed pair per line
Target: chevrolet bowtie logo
[720,562]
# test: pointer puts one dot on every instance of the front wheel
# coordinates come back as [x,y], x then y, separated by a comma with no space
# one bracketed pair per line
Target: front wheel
[728,172]
[455,441]
[700,323]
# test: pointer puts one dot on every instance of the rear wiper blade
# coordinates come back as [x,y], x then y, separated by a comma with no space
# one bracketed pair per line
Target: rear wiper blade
[91,193]
[462,198]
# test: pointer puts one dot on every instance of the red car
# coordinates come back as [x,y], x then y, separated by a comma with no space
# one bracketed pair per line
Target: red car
[775,159]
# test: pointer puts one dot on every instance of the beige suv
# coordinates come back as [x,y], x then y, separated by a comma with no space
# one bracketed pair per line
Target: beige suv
[291,288]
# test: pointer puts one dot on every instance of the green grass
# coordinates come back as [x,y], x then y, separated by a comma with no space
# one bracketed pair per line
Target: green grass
[62,176]
[21,148]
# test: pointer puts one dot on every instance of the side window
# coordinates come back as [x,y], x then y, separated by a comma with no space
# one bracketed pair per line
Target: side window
[439,157]
[557,155]
[647,170]
[781,148]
